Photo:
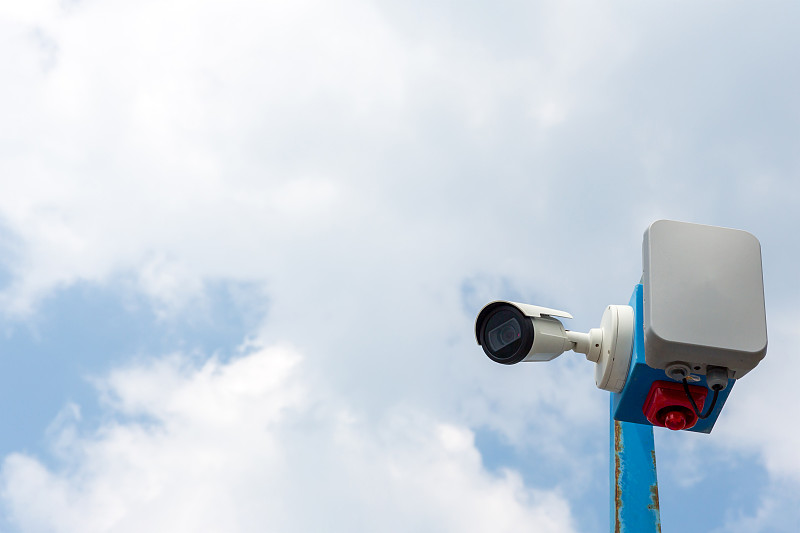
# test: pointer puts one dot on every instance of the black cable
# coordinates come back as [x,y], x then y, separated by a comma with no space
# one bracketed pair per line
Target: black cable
[717,388]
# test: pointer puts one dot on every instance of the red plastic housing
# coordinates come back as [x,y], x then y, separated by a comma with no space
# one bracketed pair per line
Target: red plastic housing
[668,406]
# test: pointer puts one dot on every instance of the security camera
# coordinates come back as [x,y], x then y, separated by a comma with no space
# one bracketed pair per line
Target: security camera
[511,332]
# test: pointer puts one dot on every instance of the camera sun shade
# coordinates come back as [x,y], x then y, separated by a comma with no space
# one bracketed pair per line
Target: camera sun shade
[703,298]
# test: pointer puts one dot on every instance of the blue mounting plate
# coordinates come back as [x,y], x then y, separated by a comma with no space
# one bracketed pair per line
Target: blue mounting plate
[627,405]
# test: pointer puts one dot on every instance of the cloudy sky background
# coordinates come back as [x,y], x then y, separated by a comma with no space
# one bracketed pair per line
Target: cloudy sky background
[243,244]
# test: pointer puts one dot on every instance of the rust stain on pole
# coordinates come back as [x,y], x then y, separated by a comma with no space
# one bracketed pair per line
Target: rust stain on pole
[654,491]
[635,491]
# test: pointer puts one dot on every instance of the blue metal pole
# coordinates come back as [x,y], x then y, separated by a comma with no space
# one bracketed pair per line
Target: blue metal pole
[634,485]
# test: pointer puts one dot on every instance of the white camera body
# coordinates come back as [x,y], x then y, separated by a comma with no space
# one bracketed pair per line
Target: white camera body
[512,332]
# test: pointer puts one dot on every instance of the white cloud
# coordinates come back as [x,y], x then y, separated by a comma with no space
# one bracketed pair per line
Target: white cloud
[361,160]
[256,444]
[758,414]
[320,150]
[250,140]
[774,511]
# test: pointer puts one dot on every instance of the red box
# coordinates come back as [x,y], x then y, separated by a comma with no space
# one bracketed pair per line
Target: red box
[667,405]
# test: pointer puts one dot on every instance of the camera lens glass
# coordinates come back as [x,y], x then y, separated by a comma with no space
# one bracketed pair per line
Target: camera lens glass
[504,334]
[507,335]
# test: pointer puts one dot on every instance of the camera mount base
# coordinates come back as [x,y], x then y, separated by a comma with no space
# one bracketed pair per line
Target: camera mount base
[615,355]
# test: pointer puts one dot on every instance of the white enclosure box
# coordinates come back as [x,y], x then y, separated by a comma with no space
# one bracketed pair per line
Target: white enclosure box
[703,297]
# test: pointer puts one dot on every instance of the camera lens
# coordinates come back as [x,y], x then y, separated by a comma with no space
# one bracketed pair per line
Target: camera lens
[506,334]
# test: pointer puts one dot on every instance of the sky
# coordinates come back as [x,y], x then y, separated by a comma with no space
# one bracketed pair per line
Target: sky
[243,244]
